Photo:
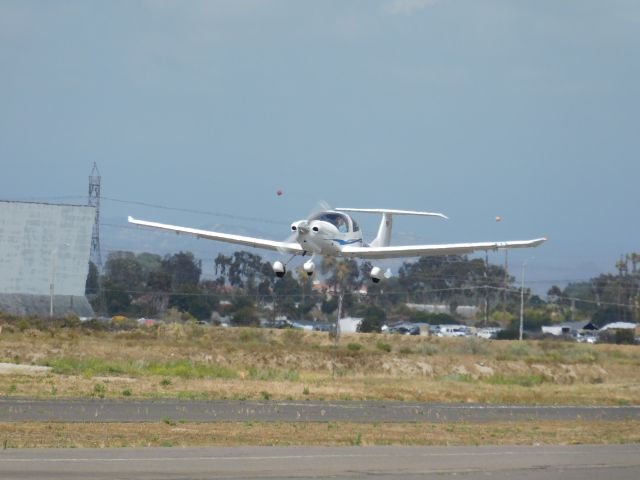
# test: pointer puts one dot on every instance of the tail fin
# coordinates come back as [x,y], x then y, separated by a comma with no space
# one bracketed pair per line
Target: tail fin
[383,239]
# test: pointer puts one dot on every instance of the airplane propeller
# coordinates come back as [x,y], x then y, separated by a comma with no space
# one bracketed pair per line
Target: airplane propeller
[302,226]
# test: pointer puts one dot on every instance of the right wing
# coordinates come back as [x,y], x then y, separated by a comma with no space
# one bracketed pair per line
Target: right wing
[434,250]
[287,247]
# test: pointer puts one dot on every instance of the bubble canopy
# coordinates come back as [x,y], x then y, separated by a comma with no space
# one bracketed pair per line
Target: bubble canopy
[343,222]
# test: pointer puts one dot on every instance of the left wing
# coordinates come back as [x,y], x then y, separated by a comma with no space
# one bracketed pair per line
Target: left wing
[434,250]
[286,247]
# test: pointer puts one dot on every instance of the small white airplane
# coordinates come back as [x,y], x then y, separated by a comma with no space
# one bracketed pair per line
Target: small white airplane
[334,233]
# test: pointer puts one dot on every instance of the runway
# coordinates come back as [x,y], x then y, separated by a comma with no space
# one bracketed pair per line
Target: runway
[69,410]
[621,462]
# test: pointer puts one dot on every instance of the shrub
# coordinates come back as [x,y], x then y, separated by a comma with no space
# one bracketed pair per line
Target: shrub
[22,325]
[384,346]
[99,390]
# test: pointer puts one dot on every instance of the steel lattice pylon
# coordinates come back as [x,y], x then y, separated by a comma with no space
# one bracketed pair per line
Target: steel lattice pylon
[96,255]
[94,201]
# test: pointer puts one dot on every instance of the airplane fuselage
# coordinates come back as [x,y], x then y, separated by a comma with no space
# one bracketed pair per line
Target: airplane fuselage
[326,233]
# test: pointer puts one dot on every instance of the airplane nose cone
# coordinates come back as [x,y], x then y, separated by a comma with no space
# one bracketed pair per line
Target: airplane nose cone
[302,228]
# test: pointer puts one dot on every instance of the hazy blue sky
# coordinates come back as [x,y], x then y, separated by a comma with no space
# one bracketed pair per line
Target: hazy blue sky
[524,109]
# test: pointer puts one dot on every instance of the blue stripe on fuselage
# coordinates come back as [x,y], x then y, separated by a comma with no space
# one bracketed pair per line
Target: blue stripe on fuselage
[345,242]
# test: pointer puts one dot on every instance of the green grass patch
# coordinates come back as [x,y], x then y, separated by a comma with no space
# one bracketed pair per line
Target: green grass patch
[90,367]
[551,351]
[188,369]
[515,351]
[521,380]
[288,374]
[458,377]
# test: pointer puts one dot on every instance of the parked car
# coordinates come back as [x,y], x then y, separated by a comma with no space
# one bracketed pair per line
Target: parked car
[586,337]
[405,329]
[488,332]
[453,331]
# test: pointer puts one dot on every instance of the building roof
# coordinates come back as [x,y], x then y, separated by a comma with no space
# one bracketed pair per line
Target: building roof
[619,325]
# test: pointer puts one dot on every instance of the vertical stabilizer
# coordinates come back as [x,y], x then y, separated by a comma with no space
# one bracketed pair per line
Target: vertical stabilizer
[383,239]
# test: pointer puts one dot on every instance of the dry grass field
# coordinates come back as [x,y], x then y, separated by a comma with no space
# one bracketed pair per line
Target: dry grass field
[200,362]
[170,434]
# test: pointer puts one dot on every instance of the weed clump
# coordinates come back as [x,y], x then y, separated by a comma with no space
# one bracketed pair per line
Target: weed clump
[99,390]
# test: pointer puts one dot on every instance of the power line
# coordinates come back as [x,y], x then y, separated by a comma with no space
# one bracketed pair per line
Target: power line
[376,295]
[199,212]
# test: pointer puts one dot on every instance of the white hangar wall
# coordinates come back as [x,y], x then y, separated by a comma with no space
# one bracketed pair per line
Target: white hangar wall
[41,244]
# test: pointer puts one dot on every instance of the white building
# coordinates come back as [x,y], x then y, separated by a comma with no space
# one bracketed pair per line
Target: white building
[44,252]
[349,324]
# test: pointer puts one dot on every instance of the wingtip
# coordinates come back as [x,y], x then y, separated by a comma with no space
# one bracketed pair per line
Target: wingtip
[130,219]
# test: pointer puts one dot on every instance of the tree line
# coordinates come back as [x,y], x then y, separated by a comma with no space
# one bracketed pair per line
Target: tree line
[245,290]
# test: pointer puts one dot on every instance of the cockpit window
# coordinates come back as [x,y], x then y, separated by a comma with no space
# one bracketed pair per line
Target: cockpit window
[340,221]
[356,227]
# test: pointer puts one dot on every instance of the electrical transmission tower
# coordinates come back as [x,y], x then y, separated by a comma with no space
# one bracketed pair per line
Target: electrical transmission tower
[94,201]
[96,256]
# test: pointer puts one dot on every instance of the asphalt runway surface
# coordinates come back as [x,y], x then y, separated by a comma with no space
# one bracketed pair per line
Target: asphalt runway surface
[620,462]
[21,410]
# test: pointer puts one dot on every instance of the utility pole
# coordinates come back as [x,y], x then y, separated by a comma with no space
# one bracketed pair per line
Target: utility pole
[522,300]
[340,297]
[506,279]
[486,287]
